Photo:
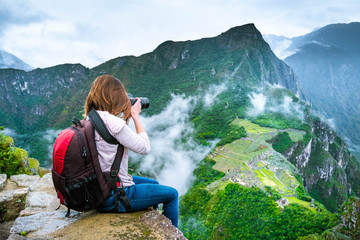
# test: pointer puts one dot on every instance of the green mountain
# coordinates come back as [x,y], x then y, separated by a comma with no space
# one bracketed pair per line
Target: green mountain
[268,142]
[327,64]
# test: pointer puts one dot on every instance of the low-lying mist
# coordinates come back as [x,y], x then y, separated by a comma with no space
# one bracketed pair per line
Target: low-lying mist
[174,153]
[266,100]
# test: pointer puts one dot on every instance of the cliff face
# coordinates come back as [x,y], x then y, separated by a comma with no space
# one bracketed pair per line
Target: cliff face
[327,64]
[329,171]
[36,99]
[32,202]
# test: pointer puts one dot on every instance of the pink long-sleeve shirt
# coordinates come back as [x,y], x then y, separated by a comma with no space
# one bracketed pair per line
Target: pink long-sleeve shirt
[118,128]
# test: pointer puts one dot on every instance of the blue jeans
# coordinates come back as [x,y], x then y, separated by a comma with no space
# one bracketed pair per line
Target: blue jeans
[144,194]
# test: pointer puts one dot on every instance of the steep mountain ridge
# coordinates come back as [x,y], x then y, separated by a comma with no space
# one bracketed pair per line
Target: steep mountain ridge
[330,172]
[327,63]
[239,59]
[34,100]
[342,35]
[186,65]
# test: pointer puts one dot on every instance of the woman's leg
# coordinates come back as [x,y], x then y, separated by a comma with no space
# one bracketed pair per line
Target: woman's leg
[143,196]
[141,180]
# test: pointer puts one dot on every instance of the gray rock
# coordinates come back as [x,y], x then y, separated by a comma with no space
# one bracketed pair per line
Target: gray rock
[5,229]
[148,224]
[2,181]
[24,180]
[41,224]
[41,200]
[12,202]
[44,184]
[16,237]
[42,197]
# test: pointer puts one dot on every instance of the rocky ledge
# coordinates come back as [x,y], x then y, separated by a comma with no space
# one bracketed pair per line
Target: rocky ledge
[29,209]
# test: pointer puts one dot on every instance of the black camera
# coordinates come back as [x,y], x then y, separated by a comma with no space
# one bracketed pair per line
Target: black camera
[145,103]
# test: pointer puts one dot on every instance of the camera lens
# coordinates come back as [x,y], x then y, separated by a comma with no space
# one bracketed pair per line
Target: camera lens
[145,103]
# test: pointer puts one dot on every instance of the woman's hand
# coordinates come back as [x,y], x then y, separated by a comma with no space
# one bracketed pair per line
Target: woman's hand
[136,109]
[135,112]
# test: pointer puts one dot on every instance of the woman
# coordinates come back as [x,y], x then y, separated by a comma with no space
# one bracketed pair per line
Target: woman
[109,98]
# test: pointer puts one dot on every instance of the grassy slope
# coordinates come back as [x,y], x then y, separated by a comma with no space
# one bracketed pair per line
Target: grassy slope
[256,157]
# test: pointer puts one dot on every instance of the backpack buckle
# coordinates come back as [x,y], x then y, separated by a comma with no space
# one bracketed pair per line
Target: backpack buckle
[113,173]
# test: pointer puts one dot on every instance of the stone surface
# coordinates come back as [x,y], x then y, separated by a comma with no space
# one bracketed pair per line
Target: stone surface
[24,180]
[5,229]
[161,225]
[44,184]
[41,224]
[40,220]
[2,181]
[16,237]
[41,197]
[149,224]
[11,203]
[41,200]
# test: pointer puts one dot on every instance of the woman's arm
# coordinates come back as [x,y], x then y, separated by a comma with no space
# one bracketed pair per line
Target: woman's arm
[135,114]
[139,142]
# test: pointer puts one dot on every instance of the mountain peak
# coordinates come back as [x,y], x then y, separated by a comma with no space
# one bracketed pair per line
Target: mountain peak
[236,37]
[246,28]
[8,60]
[240,37]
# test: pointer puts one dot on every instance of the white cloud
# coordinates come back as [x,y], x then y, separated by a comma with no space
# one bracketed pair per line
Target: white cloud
[261,103]
[212,93]
[174,153]
[258,100]
[46,33]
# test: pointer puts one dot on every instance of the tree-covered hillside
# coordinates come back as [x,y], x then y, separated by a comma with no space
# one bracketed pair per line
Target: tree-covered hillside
[242,100]
[327,64]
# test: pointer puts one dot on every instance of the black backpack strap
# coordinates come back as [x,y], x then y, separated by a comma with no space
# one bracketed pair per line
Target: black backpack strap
[115,167]
[100,127]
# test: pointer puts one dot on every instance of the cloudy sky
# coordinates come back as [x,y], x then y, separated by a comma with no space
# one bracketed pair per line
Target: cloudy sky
[45,33]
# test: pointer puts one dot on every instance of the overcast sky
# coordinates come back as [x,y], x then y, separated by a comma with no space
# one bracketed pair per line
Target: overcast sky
[45,33]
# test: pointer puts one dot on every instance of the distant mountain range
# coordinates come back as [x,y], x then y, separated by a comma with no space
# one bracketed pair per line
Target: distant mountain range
[296,154]
[327,63]
[8,60]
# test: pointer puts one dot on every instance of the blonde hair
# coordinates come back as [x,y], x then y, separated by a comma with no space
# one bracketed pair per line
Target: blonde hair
[107,93]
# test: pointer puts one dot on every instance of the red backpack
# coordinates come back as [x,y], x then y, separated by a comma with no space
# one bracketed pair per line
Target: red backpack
[78,179]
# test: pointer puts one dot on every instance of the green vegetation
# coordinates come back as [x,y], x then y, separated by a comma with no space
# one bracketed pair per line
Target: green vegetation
[216,122]
[205,174]
[302,194]
[216,208]
[13,160]
[282,142]
[349,214]
[239,212]
[3,214]
[234,133]
[273,193]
